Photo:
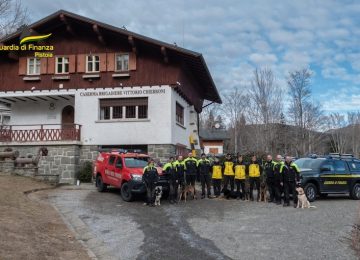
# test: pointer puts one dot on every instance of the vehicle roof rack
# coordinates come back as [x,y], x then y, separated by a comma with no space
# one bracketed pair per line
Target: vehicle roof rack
[347,155]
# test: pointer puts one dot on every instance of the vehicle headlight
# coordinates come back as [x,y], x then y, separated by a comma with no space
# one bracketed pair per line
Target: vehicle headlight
[136,176]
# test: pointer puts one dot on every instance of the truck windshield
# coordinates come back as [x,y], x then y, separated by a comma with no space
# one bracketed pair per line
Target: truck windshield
[307,163]
[136,162]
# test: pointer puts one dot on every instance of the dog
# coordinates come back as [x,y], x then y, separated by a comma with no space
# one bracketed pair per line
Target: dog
[185,189]
[303,202]
[247,190]
[158,195]
[228,194]
[263,192]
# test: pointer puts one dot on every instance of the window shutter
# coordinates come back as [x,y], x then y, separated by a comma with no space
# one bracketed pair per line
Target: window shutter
[51,65]
[110,59]
[43,65]
[22,65]
[112,102]
[81,63]
[72,63]
[102,62]
[132,61]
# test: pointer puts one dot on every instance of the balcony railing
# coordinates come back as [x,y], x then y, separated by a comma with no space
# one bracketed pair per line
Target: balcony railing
[40,133]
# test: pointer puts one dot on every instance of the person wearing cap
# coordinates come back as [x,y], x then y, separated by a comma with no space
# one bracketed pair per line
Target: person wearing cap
[229,174]
[204,167]
[190,170]
[255,170]
[290,176]
[150,178]
[277,178]
[216,175]
[240,176]
[170,171]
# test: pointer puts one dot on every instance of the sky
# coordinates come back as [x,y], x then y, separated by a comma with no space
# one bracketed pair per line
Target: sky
[237,36]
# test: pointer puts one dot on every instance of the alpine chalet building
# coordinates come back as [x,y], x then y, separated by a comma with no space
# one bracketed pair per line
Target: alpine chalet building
[78,86]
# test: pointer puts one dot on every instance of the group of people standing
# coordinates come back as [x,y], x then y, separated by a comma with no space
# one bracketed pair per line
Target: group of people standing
[233,178]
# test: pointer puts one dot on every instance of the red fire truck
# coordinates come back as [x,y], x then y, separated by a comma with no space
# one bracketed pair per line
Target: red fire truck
[124,171]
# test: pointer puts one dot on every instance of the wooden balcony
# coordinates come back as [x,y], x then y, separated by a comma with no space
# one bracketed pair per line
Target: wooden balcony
[40,133]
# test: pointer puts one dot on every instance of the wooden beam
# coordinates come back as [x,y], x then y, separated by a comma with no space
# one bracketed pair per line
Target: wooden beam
[99,34]
[13,55]
[63,97]
[31,99]
[67,23]
[164,53]
[8,99]
[23,100]
[5,102]
[132,43]
[43,99]
[52,98]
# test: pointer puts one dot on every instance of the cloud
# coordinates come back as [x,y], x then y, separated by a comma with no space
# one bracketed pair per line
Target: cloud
[235,37]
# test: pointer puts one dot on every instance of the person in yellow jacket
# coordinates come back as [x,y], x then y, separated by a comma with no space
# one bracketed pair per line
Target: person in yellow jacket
[240,176]
[255,170]
[216,171]
[229,174]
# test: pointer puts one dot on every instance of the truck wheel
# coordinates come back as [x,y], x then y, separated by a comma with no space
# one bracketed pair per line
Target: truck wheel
[310,192]
[126,192]
[100,185]
[355,192]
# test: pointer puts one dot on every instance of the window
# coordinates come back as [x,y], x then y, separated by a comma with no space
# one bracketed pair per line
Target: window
[327,165]
[117,112]
[118,163]
[142,111]
[123,108]
[122,62]
[179,114]
[111,160]
[92,63]
[339,166]
[105,113]
[33,67]
[354,166]
[62,65]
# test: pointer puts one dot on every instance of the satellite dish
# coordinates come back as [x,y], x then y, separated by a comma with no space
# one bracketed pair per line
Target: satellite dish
[217,125]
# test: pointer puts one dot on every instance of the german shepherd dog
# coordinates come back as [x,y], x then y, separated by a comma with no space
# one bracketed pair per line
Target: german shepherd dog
[246,194]
[263,191]
[185,190]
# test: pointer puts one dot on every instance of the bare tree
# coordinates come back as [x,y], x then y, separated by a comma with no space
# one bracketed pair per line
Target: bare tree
[266,105]
[233,108]
[12,16]
[305,115]
[336,125]
[354,124]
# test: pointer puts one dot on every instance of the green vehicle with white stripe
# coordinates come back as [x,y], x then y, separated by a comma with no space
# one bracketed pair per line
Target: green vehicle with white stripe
[332,174]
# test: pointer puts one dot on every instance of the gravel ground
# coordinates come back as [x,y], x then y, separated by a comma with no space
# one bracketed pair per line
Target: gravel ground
[206,229]
[31,229]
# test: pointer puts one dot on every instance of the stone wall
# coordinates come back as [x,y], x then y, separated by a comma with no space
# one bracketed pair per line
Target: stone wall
[161,152]
[60,165]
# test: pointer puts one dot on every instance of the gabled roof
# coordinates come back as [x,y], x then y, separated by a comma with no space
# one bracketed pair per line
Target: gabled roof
[194,60]
[214,134]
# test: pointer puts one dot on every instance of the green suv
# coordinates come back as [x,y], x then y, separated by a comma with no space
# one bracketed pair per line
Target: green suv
[333,174]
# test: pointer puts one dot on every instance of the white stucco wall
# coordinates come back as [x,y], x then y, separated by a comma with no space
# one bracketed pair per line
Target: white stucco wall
[181,134]
[154,130]
[39,112]
[159,128]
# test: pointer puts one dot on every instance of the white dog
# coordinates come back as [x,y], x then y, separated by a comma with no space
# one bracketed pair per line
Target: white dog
[303,202]
[158,194]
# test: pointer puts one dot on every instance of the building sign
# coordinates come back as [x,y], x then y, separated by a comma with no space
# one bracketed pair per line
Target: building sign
[122,92]
[28,44]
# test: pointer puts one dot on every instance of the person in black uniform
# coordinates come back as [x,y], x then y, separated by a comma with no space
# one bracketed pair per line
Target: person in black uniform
[170,170]
[150,178]
[290,176]
[204,167]
[277,179]
[190,170]
[269,167]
